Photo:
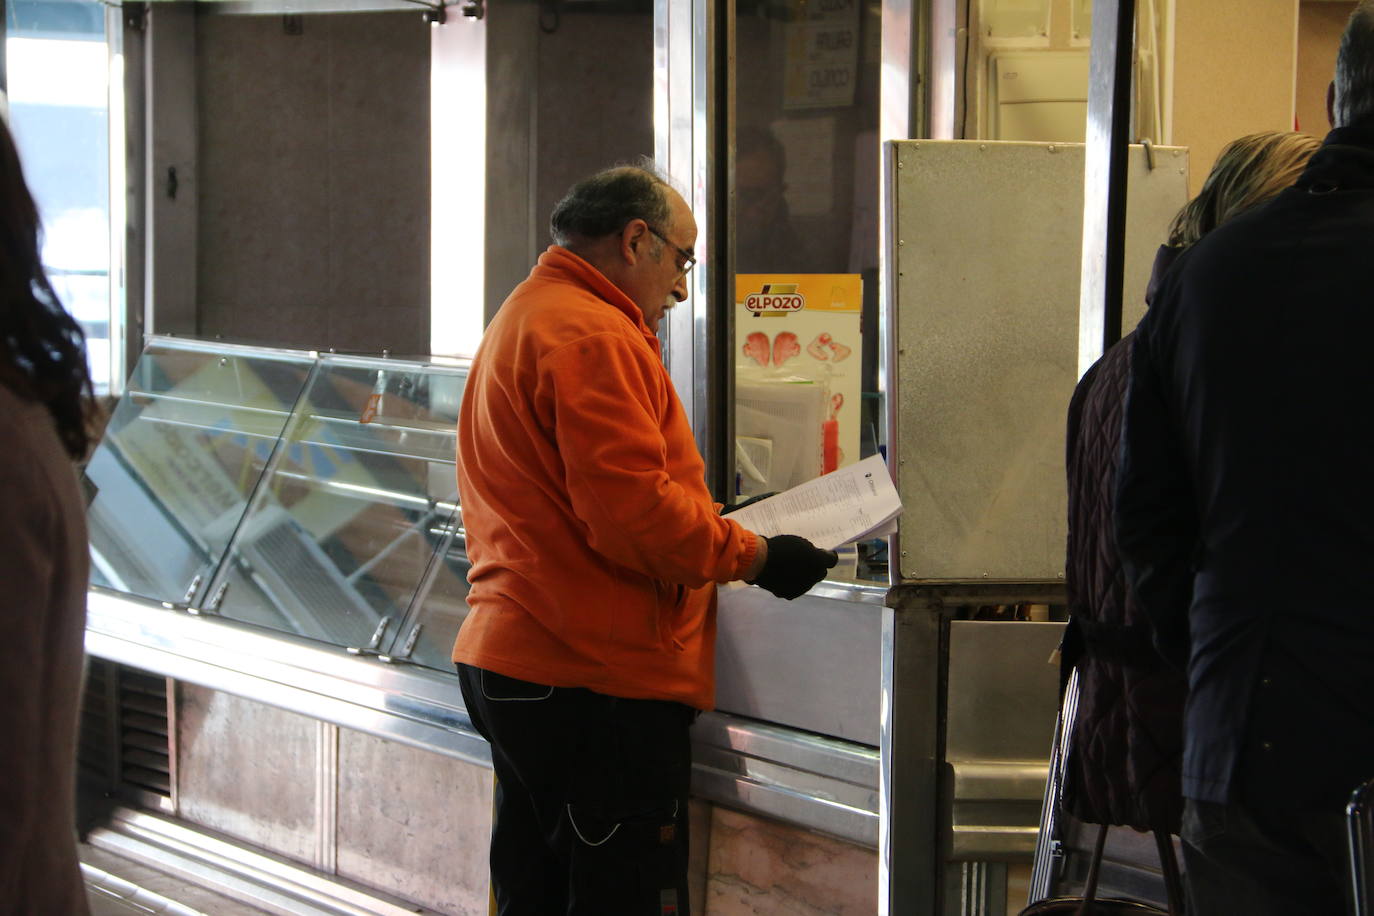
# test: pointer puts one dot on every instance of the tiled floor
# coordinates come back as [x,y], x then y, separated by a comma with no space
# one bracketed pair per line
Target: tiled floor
[117,886]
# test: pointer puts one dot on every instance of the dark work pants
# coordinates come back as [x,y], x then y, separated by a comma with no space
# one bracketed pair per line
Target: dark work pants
[591,798]
[1263,862]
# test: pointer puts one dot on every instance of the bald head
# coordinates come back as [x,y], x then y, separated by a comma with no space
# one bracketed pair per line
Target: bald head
[1352,99]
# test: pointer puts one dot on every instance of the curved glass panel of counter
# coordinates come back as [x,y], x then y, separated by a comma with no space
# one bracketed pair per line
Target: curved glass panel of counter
[180,459]
[355,506]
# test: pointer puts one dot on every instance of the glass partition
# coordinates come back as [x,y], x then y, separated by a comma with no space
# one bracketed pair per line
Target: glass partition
[312,495]
[440,610]
[805,175]
[359,497]
[180,459]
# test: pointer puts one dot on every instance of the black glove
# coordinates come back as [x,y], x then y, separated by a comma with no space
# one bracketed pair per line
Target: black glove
[793,565]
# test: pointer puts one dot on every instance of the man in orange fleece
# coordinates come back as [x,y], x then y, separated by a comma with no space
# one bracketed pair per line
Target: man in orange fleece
[595,549]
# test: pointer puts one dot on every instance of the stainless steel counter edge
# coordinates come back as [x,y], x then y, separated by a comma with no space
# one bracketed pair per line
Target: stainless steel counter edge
[809,780]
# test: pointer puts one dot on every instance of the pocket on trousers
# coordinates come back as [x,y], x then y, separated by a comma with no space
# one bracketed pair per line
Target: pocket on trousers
[500,688]
[594,825]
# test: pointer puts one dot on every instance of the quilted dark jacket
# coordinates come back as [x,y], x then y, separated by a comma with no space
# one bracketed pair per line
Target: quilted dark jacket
[1124,763]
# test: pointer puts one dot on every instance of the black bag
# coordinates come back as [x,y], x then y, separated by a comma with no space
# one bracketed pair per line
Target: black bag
[1089,905]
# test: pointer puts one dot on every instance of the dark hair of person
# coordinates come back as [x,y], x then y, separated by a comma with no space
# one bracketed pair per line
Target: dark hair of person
[1354,101]
[43,346]
[603,203]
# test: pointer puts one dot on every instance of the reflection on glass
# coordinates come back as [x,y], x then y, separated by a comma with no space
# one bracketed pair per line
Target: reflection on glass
[179,461]
[359,498]
[805,176]
[444,606]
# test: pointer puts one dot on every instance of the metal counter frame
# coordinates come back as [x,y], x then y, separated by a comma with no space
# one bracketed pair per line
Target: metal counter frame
[809,780]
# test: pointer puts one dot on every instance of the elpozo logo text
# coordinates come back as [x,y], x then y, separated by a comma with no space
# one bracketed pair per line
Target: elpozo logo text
[775,299]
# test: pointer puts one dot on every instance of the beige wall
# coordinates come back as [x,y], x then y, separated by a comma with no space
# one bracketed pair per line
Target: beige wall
[1234,66]
[1319,33]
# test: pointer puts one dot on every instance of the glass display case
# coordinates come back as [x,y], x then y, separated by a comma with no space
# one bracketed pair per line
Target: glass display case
[309,494]
[283,526]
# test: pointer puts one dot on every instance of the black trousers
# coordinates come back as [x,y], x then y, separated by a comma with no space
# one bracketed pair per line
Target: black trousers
[591,798]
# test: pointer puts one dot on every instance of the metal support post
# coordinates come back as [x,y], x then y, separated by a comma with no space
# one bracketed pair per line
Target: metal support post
[914,818]
[1104,189]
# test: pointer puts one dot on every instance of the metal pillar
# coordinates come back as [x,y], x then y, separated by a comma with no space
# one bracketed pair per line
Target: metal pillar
[171,189]
[1104,197]
[693,101]
[914,807]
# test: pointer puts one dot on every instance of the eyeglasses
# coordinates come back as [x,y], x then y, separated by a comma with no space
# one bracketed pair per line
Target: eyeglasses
[689,260]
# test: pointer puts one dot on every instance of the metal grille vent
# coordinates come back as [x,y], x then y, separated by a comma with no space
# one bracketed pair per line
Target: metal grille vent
[95,757]
[144,753]
[124,750]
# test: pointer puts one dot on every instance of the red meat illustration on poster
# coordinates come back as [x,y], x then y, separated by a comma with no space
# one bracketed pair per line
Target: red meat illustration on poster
[756,347]
[825,347]
[785,347]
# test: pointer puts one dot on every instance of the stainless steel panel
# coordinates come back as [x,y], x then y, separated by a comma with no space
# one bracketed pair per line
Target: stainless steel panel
[1003,691]
[403,703]
[985,318]
[413,824]
[268,882]
[233,782]
[806,790]
[801,663]
[1003,697]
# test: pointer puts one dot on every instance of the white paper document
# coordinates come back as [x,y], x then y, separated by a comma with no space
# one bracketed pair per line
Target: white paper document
[848,504]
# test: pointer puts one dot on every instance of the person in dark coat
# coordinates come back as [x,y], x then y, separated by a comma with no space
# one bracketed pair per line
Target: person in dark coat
[1124,763]
[44,397]
[1245,517]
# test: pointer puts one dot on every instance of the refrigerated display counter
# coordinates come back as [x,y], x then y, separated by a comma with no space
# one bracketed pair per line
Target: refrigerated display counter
[280,530]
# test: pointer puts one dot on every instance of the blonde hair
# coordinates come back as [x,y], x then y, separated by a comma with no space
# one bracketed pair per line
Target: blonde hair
[1248,171]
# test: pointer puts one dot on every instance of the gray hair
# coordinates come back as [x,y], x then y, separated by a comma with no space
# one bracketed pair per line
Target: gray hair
[602,204]
[1354,100]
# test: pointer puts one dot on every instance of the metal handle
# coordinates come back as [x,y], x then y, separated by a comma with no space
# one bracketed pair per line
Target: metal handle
[192,588]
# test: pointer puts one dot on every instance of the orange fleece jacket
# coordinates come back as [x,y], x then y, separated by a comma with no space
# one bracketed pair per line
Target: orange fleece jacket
[594,543]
